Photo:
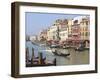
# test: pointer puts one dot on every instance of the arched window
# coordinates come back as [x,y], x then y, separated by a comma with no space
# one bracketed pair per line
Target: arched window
[86,34]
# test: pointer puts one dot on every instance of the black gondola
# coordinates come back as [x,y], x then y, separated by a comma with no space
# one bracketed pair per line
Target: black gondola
[60,54]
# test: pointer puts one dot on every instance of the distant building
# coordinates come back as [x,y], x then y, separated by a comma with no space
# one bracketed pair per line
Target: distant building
[43,35]
[27,38]
[33,38]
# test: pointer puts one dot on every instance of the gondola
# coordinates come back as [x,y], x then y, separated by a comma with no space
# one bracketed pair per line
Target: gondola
[60,54]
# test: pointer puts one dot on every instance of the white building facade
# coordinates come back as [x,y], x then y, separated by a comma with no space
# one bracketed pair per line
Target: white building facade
[52,33]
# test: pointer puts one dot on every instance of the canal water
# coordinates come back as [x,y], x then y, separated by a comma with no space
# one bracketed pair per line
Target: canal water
[75,58]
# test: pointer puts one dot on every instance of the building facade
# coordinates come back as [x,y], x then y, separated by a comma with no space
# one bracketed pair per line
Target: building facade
[81,32]
[75,33]
[52,33]
[33,38]
[63,31]
[85,31]
[43,35]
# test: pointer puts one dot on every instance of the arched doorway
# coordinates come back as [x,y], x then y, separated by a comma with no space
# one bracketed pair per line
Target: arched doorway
[87,43]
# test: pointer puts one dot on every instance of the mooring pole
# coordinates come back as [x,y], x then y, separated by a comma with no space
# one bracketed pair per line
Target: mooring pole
[27,55]
[32,55]
[54,62]
[40,58]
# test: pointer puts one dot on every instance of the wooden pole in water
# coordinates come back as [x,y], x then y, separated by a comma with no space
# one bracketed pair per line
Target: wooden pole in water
[40,58]
[32,55]
[54,62]
[27,55]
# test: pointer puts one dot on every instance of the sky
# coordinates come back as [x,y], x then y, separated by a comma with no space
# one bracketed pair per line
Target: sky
[36,22]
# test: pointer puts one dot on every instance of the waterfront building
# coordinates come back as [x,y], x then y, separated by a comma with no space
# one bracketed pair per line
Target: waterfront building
[72,32]
[59,31]
[84,31]
[52,34]
[80,31]
[49,37]
[63,34]
[53,31]
[69,40]
[63,31]
[69,27]
[75,33]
